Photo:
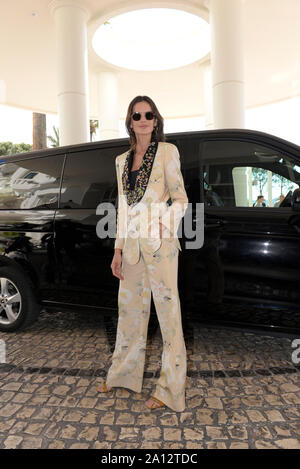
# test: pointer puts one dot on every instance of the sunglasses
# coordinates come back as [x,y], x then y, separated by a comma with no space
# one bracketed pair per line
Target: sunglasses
[137,116]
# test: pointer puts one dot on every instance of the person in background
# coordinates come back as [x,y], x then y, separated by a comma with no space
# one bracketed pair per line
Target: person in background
[281,198]
[260,201]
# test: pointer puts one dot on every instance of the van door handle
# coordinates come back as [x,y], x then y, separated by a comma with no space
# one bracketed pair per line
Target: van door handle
[218,221]
[216,224]
[213,225]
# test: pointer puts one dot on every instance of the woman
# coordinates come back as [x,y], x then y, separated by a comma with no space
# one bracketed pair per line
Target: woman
[148,176]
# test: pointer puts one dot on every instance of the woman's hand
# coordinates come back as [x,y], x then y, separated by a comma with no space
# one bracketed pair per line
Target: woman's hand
[116,265]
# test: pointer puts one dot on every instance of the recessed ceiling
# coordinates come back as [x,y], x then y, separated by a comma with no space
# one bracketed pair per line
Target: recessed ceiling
[31,48]
[152,39]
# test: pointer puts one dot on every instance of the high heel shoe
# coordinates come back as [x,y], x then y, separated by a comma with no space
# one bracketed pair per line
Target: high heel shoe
[104,387]
[161,404]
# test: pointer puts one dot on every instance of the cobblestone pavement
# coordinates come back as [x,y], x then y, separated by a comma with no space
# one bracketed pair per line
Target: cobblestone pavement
[243,390]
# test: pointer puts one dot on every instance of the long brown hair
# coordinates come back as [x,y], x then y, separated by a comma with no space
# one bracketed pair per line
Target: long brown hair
[157,134]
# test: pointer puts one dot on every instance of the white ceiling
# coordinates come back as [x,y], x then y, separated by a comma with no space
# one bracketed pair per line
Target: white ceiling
[27,57]
[180,38]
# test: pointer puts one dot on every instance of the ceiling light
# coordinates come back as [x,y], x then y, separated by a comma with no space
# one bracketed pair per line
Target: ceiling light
[153,39]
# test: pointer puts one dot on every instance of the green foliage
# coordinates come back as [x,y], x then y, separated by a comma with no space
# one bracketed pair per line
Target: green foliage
[9,148]
[54,140]
[260,175]
[94,124]
[282,182]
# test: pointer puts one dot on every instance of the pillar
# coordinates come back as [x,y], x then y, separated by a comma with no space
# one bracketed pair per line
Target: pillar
[39,131]
[108,105]
[227,61]
[250,181]
[240,182]
[71,18]
[270,189]
[2,91]
[207,97]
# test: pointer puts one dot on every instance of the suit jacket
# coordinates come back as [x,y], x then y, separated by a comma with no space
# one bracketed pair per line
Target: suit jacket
[135,221]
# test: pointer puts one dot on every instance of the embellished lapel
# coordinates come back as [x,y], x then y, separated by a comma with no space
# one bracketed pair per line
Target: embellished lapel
[135,195]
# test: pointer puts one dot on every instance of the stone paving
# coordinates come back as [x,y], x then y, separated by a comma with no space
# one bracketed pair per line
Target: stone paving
[243,390]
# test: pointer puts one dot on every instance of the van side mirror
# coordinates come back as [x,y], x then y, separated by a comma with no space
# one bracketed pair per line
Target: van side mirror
[296,200]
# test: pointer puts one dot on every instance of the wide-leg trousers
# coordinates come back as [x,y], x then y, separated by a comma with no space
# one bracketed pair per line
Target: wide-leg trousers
[155,272]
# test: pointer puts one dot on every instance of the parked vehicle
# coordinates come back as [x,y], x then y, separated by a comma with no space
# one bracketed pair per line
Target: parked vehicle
[52,257]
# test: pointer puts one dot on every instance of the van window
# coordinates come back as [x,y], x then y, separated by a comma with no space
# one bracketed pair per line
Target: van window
[260,187]
[245,174]
[189,150]
[32,183]
[90,178]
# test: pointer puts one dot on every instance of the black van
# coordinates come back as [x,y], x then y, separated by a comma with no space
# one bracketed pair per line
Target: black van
[52,257]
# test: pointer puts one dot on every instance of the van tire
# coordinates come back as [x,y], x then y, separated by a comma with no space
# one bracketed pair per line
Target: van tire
[14,281]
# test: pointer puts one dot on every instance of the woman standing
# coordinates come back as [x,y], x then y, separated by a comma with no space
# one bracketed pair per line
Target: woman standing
[148,175]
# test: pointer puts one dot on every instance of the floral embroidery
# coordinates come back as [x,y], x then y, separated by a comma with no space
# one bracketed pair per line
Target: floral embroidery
[158,280]
[135,195]
[125,295]
[160,291]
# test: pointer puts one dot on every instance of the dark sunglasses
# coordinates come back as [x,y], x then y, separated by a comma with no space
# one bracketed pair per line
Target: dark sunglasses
[137,116]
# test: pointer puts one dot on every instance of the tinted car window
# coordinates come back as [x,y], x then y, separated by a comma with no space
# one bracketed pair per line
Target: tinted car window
[189,150]
[31,183]
[90,178]
[236,173]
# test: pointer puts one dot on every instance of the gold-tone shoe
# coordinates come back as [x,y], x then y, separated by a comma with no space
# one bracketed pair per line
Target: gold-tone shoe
[105,388]
[161,404]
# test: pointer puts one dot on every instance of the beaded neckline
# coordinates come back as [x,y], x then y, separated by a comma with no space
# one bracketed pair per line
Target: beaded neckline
[135,195]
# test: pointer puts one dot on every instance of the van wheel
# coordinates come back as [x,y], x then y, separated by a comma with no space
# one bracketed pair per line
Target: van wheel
[18,305]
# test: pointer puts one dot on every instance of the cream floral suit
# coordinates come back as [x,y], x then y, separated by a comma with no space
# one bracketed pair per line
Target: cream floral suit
[150,264]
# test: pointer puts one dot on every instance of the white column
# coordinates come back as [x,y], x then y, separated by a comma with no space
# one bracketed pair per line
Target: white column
[2,91]
[226,20]
[270,189]
[108,105]
[240,183]
[70,18]
[250,186]
[207,97]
